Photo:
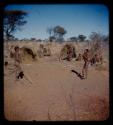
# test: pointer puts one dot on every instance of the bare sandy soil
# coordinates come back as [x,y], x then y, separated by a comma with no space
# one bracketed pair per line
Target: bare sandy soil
[56,93]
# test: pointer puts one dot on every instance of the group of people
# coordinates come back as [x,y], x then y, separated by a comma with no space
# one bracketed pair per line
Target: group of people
[86,58]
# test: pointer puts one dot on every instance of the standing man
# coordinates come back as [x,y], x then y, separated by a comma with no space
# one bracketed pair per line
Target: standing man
[12,51]
[86,63]
[18,60]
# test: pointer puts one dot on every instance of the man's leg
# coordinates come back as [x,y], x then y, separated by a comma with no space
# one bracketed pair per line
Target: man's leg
[16,73]
[83,70]
[86,70]
[18,70]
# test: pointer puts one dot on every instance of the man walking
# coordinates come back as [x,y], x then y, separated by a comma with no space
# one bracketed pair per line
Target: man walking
[86,63]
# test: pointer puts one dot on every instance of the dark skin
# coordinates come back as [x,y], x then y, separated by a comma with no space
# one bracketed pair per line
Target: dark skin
[69,53]
[17,62]
[86,63]
[79,58]
[17,55]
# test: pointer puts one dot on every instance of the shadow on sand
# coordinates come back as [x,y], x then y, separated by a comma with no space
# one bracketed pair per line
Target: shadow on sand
[78,74]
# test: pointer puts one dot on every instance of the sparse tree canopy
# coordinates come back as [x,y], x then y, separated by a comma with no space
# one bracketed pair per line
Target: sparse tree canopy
[13,20]
[59,32]
[106,38]
[99,37]
[73,39]
[33,39]
[81,38]
[50,31]
[95,37]
[51,38]
[56,32]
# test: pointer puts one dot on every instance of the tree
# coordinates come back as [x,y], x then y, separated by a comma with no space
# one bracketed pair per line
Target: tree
[33,39]
[16,39]
[81,38]
[98,37]
[96,42]
[95,37]
[59,32]
[50,31]
[106,39]
[51,38]
[73,39]
[13,20]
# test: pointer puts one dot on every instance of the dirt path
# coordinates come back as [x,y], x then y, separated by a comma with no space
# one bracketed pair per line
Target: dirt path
[56,93]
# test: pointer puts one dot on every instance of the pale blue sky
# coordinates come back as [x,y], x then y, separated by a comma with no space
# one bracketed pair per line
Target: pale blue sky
[75,18]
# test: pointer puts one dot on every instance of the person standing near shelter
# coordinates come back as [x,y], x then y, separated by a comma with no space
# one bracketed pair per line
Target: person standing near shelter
[12,51]
[18,60]
[86,59]
[69,53]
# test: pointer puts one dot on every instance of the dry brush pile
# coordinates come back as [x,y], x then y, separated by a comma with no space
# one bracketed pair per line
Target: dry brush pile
[97,52]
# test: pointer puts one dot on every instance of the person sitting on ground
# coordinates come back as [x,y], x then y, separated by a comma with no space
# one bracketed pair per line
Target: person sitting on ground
[93,60]
[79,58]
[45,51]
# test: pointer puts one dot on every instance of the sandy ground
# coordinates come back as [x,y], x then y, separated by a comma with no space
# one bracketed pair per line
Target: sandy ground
[56,93]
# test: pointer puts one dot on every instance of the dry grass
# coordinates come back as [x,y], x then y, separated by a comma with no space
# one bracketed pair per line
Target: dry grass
[97,109]
[72,105]
[100,67]
[45,85]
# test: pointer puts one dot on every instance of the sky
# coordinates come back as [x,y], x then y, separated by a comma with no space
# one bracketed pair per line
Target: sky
[75,18]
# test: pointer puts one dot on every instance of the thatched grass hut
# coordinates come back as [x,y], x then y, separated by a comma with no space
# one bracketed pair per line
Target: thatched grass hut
[28,54]
[96,52]
[68,52]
